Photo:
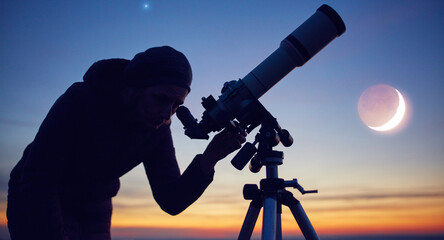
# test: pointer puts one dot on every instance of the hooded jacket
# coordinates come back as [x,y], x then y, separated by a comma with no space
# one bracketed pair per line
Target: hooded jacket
[63,185]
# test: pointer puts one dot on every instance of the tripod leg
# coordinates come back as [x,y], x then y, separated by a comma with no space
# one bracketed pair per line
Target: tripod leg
[300,216]
[279,222]
[270,219]
[250,220]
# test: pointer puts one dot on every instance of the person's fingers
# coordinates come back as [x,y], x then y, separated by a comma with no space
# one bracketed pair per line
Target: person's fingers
[240,137]
[244,133]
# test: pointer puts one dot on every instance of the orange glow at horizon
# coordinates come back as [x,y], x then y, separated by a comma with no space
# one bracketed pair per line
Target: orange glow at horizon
[329,217]
[220,212]
[332,217]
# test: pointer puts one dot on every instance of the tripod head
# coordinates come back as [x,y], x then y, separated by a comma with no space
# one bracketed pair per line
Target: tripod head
[270,135]
[272,193]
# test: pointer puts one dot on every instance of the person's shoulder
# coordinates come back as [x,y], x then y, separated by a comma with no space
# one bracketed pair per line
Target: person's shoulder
[78,96]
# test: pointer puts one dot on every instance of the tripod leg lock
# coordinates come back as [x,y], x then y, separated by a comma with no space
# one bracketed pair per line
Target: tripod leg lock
[294,183]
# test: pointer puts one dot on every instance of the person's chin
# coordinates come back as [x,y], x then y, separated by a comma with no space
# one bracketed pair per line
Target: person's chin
[150,126]
[155,126]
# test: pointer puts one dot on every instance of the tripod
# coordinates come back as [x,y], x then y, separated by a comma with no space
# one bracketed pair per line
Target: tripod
[271,194]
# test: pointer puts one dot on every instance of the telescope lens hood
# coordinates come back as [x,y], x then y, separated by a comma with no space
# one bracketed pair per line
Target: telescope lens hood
[334,17]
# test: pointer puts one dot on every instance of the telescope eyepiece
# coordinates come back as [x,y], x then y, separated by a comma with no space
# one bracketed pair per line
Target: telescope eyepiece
[192,128]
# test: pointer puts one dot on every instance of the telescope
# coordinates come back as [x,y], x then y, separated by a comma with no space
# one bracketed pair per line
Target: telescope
[239,97]
[239,109]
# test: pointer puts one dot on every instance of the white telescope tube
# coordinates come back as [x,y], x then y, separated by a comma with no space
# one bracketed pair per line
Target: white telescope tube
[295,50]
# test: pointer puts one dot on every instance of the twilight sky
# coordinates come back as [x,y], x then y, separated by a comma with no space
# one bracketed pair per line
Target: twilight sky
[368,182]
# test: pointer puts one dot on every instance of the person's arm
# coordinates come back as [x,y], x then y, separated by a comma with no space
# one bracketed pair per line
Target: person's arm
[44,167]
[175,192]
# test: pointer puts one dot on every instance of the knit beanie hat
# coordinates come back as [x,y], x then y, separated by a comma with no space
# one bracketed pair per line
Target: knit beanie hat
[159,66]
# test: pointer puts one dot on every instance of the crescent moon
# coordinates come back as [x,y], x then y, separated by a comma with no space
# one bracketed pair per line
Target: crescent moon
[395,120]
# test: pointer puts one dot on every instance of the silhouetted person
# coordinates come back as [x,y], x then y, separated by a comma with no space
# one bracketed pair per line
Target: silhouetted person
[97,131]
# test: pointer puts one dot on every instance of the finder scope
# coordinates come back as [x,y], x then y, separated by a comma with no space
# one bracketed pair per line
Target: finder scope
[294,51]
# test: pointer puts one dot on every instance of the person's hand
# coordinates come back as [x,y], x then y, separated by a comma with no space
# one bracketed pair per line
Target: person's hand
[220,146]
